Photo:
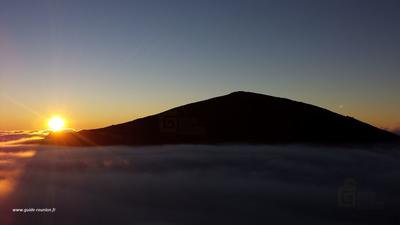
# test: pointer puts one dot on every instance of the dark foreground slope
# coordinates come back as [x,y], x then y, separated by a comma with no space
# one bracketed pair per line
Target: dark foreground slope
[240,117]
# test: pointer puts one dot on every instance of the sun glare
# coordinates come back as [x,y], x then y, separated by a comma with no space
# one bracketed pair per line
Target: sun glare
[56,123]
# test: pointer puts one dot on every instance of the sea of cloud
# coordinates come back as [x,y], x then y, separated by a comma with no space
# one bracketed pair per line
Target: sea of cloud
[21,137]
[189,184]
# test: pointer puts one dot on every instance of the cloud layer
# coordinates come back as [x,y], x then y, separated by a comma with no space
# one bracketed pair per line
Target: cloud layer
[209,185]
[21,137]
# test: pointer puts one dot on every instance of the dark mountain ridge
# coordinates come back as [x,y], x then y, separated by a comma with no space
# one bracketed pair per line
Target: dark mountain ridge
[239,117]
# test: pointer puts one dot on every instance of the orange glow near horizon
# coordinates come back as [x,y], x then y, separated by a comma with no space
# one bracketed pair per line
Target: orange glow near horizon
[86,115]
[15,162]
[18,154]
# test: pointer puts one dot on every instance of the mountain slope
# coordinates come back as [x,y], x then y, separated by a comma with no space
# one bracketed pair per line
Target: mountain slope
[240,117]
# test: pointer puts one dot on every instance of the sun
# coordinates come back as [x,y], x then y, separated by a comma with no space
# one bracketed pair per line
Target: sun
[56,123]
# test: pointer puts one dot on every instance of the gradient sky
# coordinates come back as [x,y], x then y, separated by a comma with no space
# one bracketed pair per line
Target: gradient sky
[104,62]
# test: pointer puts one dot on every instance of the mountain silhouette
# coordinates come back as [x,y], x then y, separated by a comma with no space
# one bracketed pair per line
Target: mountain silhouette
[239,117]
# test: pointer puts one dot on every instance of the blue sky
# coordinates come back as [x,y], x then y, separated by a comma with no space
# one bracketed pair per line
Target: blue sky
[103,62]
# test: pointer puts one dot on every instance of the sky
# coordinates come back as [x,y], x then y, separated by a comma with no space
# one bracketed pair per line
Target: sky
[98,63]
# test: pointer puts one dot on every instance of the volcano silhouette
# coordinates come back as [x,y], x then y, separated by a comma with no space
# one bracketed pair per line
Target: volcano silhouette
[239,117]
